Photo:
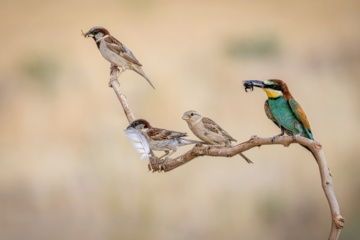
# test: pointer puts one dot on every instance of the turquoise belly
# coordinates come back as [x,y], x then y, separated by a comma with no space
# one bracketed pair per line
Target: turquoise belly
[283,114]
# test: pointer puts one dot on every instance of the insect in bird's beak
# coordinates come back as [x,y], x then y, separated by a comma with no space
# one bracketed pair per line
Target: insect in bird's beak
[82,33]
[86,35]
[250,84]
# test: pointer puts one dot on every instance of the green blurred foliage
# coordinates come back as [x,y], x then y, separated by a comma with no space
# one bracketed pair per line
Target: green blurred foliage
[40,70]
[258,47]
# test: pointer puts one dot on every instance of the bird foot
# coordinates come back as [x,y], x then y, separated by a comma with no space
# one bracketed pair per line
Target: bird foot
[165,161]
[114,68]
[273,139]
[295,136]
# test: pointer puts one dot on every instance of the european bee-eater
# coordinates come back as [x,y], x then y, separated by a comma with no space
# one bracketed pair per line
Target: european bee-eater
[282,109]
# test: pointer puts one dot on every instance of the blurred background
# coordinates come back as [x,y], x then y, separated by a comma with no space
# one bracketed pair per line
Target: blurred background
[67,170]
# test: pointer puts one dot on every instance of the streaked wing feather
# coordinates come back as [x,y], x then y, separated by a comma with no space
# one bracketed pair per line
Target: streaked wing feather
[213,127]
[162,134]
[116,46]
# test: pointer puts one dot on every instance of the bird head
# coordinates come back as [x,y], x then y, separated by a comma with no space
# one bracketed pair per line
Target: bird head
[274,88]
[139,124]
[97,33]
[191,116]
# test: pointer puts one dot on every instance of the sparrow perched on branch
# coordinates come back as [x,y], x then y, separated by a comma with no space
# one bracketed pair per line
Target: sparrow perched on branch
[208,131]
[115,52]
[162,139]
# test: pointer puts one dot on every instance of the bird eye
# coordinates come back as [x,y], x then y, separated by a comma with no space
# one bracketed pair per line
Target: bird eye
[192,114]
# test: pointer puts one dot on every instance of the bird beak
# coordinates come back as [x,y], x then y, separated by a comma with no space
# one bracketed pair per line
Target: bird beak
[185,117]
[88,34]
[250,84]
[254,83]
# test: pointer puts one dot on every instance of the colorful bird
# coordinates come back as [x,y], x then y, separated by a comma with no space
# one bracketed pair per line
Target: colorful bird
[115,52]
[282,108]
[208,131]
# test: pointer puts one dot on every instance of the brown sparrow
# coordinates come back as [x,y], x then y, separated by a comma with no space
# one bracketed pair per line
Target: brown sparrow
[115,52]
[162,139]
[208,131]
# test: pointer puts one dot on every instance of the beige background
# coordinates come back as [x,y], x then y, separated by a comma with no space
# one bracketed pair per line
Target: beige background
[67,170]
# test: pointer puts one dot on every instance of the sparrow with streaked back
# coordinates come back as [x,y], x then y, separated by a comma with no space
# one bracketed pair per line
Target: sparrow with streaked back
[208,131]
[115,52]
[162,139]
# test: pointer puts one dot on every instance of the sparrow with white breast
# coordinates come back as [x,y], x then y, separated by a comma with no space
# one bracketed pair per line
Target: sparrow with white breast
[162,139]
[208,131]
[115,52]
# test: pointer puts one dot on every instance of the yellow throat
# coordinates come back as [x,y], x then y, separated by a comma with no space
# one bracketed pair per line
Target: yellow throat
[272,93]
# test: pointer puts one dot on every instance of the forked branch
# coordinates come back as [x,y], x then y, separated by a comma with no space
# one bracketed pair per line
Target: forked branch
[201,150]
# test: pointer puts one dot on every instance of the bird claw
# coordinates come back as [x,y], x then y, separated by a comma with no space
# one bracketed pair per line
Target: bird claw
[113,68]
[295,136]
[281,134]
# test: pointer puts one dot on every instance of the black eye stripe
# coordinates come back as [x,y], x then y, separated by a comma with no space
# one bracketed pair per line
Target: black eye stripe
[275,87]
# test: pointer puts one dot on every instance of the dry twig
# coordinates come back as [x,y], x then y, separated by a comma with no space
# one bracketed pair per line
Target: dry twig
[200,150]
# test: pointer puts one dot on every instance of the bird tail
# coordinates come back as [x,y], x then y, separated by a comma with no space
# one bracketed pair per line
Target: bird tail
[189,141]
[246,158]
[242,155]
[139,70]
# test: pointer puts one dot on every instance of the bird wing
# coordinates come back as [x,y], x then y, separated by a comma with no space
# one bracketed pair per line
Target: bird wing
[116,46]
[163,134]
[213,127]
[300,115]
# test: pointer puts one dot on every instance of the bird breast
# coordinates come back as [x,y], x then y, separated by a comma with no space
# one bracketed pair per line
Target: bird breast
[111,56]
[208,136]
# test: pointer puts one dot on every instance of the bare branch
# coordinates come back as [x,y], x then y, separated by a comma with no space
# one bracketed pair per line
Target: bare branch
[115,73]
[200,150]
[327,184]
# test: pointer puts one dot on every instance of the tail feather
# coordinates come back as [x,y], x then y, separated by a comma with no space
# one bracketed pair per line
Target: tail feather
[139,70]
[190,141]
[241,154]
[246,158]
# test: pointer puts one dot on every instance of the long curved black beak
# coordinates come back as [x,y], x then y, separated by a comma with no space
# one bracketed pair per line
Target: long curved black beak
[250,84]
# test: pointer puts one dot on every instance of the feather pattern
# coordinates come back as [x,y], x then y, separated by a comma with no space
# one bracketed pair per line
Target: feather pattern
[116,46]
[139,142]
[301,116]
[162,134]
[213,127]
[272,118]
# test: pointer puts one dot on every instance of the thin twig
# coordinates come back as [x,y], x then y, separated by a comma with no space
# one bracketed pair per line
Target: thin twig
[114,75]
